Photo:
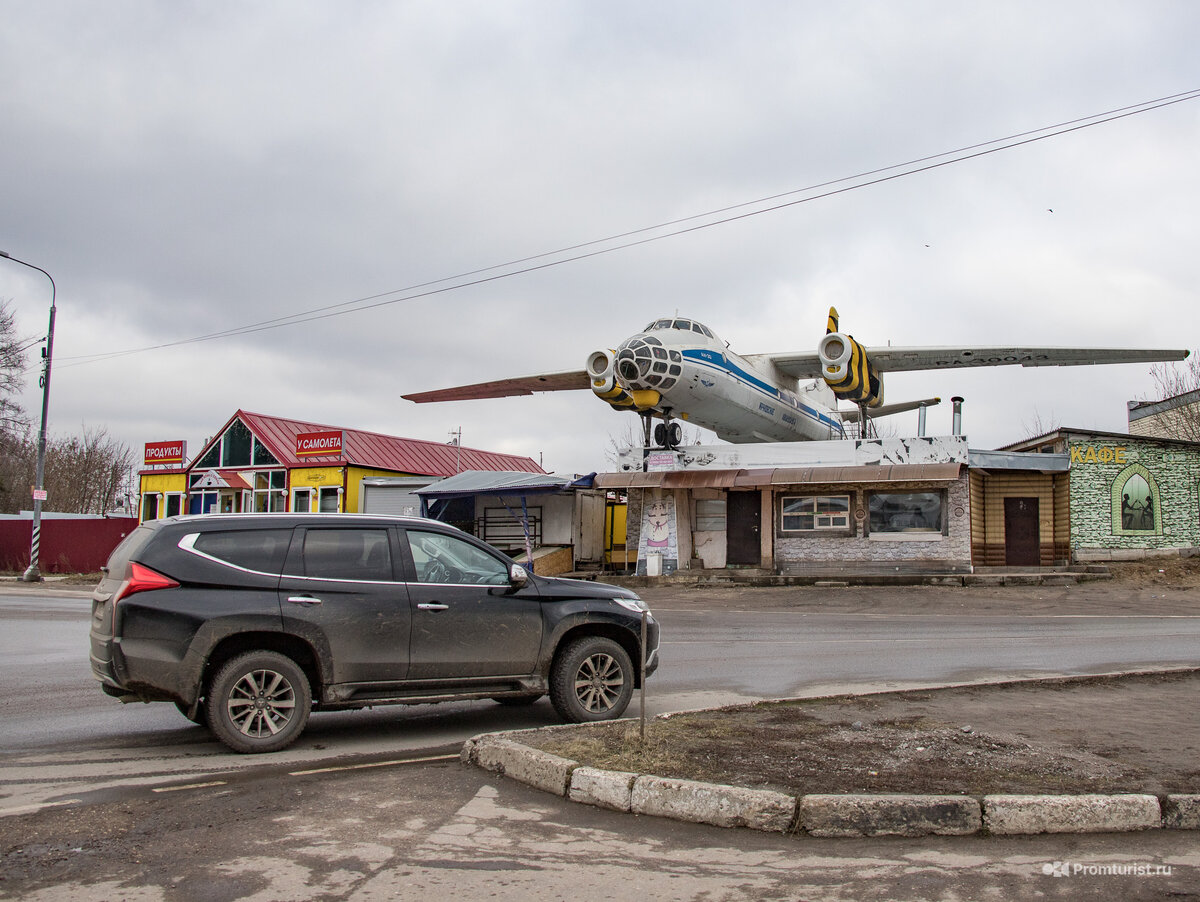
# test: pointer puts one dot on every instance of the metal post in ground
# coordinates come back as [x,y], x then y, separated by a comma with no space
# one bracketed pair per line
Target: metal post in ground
[643,676]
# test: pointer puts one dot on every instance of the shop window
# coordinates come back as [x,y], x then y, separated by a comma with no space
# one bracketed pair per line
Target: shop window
[263,457]
[809,513]
[269,494]
[235,445]
[327,501]
[710,515]
[149,506]
[238,447]
[302,501]
[906,513]
[211,459]
[174,504]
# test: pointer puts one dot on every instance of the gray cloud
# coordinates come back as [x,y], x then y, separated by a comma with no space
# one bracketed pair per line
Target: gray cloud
[188,168]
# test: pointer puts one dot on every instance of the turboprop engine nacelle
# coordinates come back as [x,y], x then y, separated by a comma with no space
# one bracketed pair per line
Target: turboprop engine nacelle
[602,371]
[846,369]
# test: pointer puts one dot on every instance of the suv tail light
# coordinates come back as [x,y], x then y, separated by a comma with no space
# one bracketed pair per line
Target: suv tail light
[143,579]
[140,579]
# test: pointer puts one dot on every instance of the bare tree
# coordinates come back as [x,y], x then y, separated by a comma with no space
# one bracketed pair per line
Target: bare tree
[12,371]
[1039,425]
[1181,421]
[87,473]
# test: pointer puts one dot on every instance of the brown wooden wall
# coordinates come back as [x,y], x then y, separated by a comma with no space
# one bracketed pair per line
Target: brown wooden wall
[988,491]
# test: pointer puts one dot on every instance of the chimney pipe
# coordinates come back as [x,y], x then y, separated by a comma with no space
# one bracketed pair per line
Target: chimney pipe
[921,421]
[957,402]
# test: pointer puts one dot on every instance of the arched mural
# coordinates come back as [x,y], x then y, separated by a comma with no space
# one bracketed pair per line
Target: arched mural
[1135,503]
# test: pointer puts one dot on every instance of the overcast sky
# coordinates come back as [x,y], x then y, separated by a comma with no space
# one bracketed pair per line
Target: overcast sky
[186,168]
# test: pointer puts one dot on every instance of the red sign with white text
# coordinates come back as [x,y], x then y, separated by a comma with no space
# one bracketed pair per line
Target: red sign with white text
[309,444]
[164,453]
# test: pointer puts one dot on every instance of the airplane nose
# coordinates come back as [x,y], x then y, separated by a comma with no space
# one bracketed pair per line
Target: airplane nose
[633,362]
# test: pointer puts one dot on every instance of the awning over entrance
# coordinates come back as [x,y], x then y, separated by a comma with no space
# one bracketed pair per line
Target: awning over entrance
[690,479]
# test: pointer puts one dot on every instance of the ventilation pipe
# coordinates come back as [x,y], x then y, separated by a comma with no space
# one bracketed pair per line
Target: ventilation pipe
[921,421]
[957,402]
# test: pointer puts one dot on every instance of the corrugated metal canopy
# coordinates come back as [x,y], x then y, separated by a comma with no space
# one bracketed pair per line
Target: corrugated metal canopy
[681,479]
[495,482]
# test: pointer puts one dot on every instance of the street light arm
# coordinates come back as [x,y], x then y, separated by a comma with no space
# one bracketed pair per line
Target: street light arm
[53,288]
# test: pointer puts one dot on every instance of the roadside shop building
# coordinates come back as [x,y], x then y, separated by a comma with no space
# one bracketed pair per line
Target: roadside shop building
[261,464]
[1130,495]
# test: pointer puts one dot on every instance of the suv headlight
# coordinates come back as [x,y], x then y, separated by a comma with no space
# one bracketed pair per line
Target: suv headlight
[633,604]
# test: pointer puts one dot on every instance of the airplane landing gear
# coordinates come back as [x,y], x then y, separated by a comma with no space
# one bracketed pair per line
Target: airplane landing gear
[668,434]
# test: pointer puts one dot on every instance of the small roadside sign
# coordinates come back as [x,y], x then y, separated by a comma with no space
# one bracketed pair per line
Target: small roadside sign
[40,494]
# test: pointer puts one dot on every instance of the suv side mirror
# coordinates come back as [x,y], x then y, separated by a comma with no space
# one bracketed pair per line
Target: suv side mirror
[517,576]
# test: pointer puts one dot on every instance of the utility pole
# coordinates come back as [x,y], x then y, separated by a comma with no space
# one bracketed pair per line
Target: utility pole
[33,574]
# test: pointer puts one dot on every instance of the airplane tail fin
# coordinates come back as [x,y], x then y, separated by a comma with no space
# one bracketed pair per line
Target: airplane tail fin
[832,324]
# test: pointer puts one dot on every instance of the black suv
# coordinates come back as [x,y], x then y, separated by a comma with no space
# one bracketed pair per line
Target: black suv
[248,622]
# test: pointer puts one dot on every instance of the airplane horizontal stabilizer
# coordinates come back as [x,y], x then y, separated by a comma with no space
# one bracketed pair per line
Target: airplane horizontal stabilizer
[851,416]
[506,388]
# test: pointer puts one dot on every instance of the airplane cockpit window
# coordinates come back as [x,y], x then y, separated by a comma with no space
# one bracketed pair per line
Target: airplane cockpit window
[642,361]
[683,325]
[661,324]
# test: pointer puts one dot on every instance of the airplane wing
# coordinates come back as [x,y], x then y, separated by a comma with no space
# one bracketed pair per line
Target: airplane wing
[506,388]
[851,415]
[892,359]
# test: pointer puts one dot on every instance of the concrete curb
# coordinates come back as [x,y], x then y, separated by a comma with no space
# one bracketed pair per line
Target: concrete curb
[823,814]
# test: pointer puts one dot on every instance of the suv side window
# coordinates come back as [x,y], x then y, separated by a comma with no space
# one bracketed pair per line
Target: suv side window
[440,558]
[261,550]
[355,554]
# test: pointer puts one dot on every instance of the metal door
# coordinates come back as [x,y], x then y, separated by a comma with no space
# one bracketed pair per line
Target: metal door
[743,516]
[1022,539]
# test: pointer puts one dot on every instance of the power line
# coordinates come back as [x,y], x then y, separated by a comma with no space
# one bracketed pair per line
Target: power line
[670,229]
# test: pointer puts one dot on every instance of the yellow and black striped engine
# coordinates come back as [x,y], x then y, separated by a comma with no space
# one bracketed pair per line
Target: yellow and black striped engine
[846,369]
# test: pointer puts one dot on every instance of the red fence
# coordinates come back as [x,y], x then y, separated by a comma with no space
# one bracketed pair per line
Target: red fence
[72,545]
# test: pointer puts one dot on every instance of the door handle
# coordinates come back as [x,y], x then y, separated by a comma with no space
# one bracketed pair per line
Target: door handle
[433,606]
[304,599]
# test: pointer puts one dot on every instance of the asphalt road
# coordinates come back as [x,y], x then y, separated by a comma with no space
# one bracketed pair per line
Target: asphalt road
[711,654]
[100,800]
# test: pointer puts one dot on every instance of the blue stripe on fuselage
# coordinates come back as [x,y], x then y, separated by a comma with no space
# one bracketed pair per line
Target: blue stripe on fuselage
[718,361]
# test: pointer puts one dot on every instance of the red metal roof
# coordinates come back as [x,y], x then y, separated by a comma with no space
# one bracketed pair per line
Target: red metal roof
[371,449]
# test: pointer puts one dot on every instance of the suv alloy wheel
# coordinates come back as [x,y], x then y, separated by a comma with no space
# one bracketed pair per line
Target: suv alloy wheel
[592,679]
[259,702]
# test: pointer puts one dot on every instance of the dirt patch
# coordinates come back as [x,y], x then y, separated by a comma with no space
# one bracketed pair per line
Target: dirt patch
[1136,733]
[1169,572]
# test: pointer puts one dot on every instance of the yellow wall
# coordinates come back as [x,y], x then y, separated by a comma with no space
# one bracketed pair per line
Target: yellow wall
[164,482]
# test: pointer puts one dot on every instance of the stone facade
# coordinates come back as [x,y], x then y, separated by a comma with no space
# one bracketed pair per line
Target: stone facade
[952,548]
[1133,493]
[1131,496]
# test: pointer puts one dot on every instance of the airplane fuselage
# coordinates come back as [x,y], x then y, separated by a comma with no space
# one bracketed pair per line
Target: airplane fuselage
[679,368]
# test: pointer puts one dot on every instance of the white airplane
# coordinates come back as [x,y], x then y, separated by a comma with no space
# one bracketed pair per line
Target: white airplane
[677,368]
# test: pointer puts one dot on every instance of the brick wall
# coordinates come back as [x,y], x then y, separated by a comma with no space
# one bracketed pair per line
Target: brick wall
[955,548]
